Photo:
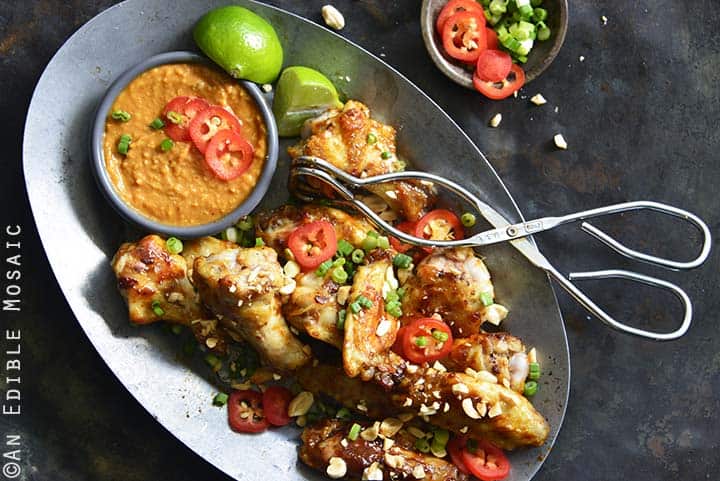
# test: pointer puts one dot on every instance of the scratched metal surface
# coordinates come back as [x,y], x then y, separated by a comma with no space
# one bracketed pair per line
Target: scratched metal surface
[640,114]
[80,233]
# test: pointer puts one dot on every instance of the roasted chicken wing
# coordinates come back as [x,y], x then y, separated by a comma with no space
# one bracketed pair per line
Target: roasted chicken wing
[371,459]
[242,287]
[349,139]
[155,283]
[453,283]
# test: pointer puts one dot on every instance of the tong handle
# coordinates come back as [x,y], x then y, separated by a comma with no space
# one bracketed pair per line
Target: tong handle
[593,308]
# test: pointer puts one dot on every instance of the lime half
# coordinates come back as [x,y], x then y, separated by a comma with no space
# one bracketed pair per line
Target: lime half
[301,93]
[244,44]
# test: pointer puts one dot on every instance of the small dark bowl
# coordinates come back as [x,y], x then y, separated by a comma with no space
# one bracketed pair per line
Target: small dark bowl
[541,56]
[150,225]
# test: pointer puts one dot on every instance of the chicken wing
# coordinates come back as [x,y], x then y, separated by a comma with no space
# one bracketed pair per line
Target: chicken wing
[349,139]
[369,331]
[313,307]
[459,402]
[453,283]
[326,440]
[275,226]
[155,283]
[242,287]
[499,354]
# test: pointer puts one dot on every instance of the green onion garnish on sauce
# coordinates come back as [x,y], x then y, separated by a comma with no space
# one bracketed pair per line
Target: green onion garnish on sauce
[120,115]
[166,145]
[157,124]
[386,155]
[174,117]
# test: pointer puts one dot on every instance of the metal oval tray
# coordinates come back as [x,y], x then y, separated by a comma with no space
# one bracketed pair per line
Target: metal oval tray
[80,232]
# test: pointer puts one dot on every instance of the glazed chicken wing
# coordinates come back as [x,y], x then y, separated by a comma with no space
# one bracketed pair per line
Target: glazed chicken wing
[326,440]
[275,227]
[349,139]
[313,307]
[242,287]
[155,283]
[369,331]
[453,283]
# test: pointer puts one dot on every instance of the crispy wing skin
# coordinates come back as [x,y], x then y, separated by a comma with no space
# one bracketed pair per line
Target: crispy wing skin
[203,247]
[313,308]
[341,136]
[242,288]
[275,226]
[147,273]
[371,332]
[450,282]
[500,415]
[324,441]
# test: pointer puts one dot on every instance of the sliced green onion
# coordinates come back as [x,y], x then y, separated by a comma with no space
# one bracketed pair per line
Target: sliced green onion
[526,11]
[400,292]
[230,234]
[369,243]
[420,341]
[394,308]
[166,145]
[441,437]
[536,3]
[355,307]
[176,329]
[392,296]
[486,298]
[539,14]
[342,315]
[174,245]
[357,256]
[174,117]
[220,399]
[344,248]
[439,335]
[245,224]
[213,361]
[157,310]
[354,432]
[534,373]
[340,261]
[531,388]
[339,276]
[402,261]
[422,445]
[371,138]
[364,302]
[386,155]
[120,115]
[383,242]
[259,242]
[123,145]
[467,219]
[323,268]
[543,32]
[157,124]
[343,413]
[522,30]
[497,7]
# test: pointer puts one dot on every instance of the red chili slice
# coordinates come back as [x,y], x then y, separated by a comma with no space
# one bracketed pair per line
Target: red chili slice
[245,412]
[426,340]
[500,90]
[491,39]
[276,400]
[487,462]
[228,155]
[455,6]
[455,448]
[439,224]
[407,227]
[313,243]
[184,109]
[207,123]
[464,36]
[493,65]
[397,346]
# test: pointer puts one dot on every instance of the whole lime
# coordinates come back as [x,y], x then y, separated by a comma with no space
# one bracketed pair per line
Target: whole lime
[241,42]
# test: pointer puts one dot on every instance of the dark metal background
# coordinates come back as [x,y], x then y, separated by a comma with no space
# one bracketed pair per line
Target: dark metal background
[640,115]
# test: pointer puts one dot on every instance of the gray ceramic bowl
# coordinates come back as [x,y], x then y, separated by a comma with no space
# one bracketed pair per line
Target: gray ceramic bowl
[150,225]
[541,56]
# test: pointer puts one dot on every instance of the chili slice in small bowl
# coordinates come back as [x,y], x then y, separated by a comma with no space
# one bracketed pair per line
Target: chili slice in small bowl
[464,36]
[178,114]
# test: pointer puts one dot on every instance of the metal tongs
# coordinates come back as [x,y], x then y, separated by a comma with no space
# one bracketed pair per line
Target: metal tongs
[310,178]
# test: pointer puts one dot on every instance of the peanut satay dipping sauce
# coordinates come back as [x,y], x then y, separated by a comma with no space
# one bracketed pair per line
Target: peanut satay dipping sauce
[176,187]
